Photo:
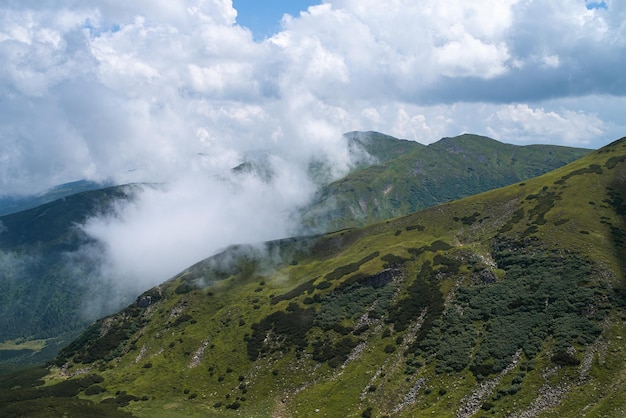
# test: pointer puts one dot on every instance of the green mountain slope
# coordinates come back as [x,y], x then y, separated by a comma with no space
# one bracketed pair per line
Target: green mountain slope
[409,178]
[507,303]
[13,204]
[46,274]
[380,146]
[43,275]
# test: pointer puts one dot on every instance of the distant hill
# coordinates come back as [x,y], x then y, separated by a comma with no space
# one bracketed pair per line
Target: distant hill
[381,147]
[507,303]
[42,276]
[13,204]
[410,176]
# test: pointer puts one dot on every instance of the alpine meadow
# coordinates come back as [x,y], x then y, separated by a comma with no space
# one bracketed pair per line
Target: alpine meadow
[313,208]
[510,302]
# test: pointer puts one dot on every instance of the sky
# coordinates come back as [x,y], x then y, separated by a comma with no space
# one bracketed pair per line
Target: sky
[179,92]
[263,18]
[102,89]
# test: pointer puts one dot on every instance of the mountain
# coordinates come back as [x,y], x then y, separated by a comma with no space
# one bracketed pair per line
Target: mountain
[381,147]
[49,269]
[409,176]
[13,204]
[45,274]
[507,303]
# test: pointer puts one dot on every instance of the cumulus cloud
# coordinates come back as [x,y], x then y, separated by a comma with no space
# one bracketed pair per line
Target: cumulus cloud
[528,124]
[104,89]
[179,93]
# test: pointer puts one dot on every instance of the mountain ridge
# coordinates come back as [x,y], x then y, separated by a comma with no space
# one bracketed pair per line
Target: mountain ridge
[41,247]
[424,176]
[510,302]
[14,204]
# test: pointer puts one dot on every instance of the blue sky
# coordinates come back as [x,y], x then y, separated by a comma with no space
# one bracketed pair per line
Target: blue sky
[263,17]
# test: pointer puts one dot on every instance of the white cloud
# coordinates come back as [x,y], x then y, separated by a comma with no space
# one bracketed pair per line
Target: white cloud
[468,56]
[178,92]
[128,85]
[527,124]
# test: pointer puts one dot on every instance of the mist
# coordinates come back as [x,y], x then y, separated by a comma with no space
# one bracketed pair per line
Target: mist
[178,94]
[169,226]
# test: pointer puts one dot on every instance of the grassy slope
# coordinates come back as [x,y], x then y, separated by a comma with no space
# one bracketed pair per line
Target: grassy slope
[421,177]
[569,216]
[40,299]
[570,220]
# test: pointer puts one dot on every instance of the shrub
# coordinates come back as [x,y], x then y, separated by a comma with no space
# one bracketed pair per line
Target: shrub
[183,288]
[563,358]
[235,405]
[487,406]
[94,390]
[332,352]
[514,389]
[544,295]
[290,326]
[423,293]
[297,291]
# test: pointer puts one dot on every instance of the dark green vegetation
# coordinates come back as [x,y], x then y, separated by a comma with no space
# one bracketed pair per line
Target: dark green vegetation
[410,176]
[48,265]
[45,271]
[33,399]
[13,204]
[508,303]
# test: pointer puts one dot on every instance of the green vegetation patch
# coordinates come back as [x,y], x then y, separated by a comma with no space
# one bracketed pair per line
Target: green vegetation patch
[613,161]
[392,260]
[518,215]
[285,329]
[467,220]
[616,200]
[415,227]
[545,201]
[308,287]
[334,352]
[544,295]
[434,247]
[593,168]
[339,272]
[24,394]
[348,302]
[94,344]
[423,293]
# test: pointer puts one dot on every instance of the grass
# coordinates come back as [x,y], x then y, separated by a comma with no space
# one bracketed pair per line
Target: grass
[384,370]
[19,344]
[426,176]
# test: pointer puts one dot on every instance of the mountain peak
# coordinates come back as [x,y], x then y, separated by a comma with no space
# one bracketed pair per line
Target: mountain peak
[466,140]
[381,146]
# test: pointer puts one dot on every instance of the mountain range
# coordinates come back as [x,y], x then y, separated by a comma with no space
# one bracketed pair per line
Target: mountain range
[505,303]
[50,272]
[13,204]
[409,176]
